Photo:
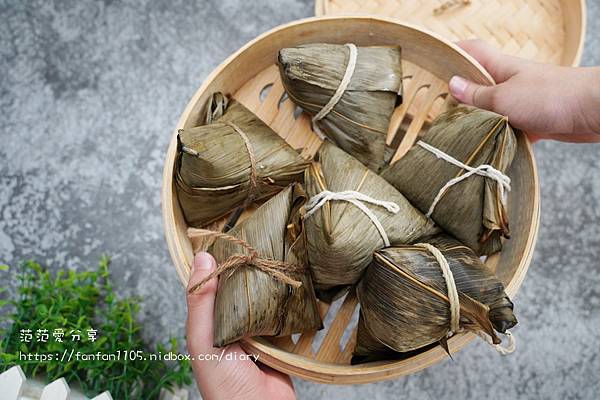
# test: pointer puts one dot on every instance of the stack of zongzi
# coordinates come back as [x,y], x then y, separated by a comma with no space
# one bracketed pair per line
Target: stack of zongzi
[268,291]
[464,193]
[380,235]
[350,91]
[406,298]
[230,161]
[352,212]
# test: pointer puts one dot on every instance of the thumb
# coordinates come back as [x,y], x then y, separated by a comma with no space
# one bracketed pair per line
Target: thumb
[499,65]
[471,93]
[201,305]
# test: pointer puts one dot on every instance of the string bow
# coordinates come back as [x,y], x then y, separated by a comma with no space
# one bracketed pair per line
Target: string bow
[279,270]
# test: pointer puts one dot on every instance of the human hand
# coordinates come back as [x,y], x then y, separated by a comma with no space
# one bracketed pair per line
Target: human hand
[225,379]
[546,101]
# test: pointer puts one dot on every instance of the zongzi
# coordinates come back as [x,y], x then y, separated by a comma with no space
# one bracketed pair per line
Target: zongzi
[369,349]
[351,212]
[456,175]
[416,295]
[231,161]
[350,91]
[264,286]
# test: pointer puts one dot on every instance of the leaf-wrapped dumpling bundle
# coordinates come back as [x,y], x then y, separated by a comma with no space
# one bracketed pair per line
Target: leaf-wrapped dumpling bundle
[268,293]
[406,299]
[231,161]
[472,209]
[369,349]
[350,91]
[351,212]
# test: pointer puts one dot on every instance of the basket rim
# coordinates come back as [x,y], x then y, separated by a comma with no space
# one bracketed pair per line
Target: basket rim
[271,356]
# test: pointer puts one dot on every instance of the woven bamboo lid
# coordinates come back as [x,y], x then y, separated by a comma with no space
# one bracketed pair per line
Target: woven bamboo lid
[550,31]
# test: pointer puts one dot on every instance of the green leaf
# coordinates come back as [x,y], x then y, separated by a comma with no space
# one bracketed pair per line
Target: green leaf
[82,300]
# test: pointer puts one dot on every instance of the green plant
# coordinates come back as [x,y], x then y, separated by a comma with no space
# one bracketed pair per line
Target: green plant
[77,302]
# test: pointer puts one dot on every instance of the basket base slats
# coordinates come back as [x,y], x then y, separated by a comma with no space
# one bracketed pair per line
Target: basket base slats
[346,355]
[330,348]
[434,90]
[305,342]
[284,342]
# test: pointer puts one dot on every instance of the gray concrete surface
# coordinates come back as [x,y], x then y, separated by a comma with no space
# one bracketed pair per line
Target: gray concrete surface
[89,94]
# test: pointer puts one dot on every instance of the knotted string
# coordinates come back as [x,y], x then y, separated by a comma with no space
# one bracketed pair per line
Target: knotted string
[356,198]
[339,92]
[454,301]
[277,269]
[484,170]
[503,350]
[450,285]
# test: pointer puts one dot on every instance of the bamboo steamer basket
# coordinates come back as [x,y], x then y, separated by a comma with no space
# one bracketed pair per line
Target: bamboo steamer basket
[428,61]
[549,31]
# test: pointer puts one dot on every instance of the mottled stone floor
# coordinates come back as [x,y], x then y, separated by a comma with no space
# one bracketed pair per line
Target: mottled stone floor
[89,94]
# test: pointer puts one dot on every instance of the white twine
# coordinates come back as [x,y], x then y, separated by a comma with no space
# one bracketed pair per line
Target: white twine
[450,285]
[485,170]
[356,198]
[455,304]
[339,92]
[506,350]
